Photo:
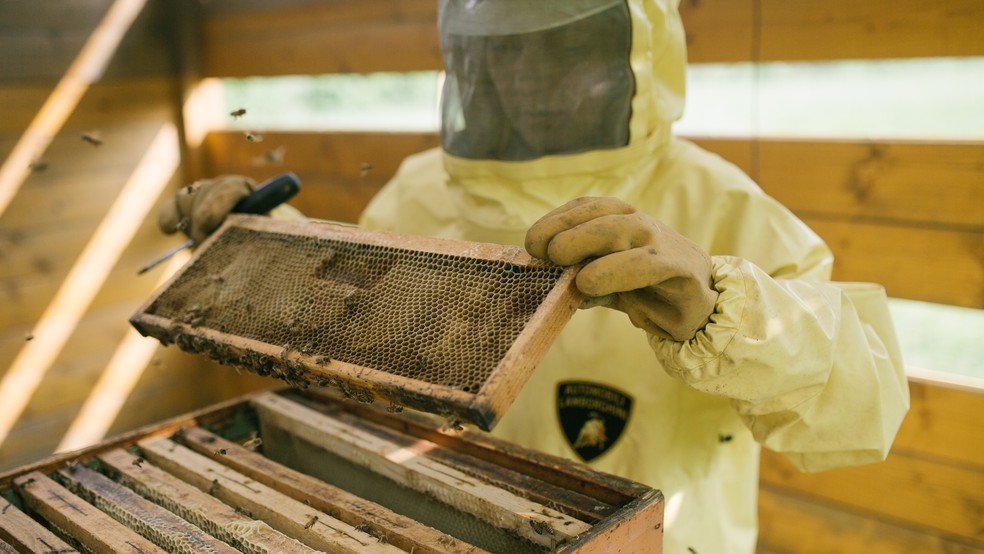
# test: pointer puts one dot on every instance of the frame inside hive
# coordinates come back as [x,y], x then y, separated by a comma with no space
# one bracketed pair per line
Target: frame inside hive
[295,471]
[448,327]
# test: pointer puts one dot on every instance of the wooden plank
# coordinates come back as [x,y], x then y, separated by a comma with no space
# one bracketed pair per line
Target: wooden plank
[883,180]
[106,103]
[312,527]
[45,46]
[341,37]
[26,535]
[335,154]
[399,531]
[330,165]
[943,423]
[533,521]
[95,530]
[198,507]
[364,37]
[580,506]
[939,184]
[138,514]
[776,30]
[791,523]
[921,493]
[910,262]
[642,532]
[464,449]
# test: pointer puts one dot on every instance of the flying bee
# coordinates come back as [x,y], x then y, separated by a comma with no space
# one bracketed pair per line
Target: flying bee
[92,139]
[236,114]
[253,443]
[38,165]
[253,137]
[365,168]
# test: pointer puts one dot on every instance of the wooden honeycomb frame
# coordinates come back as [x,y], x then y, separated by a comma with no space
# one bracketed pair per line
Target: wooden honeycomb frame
[256,475]
[481,404]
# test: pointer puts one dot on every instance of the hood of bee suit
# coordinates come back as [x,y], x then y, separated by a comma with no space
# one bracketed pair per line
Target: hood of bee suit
[550,100]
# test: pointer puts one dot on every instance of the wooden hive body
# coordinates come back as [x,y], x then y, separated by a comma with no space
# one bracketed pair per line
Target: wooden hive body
[293,471]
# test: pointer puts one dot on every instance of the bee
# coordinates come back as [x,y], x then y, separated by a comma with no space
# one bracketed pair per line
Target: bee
[236,114]
[311,522]
[365,168]
[394,408]
[275,156]
[350,303]
[28,337]
[38,165]
[253,443]
[540,527]
[219,452]
[92,139]
[453,423]
[138,462]
[253,137]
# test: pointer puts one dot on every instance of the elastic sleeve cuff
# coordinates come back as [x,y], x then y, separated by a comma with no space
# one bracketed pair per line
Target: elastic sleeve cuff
[700,358]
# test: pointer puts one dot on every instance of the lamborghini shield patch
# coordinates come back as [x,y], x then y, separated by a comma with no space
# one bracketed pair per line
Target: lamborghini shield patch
[593,416]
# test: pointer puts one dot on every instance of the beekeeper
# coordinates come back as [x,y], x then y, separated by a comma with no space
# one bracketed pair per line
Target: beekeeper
[714,327]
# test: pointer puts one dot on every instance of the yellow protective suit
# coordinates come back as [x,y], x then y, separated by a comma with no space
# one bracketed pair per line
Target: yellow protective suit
[789,361]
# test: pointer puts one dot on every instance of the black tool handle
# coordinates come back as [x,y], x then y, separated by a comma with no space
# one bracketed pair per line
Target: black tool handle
[269,194]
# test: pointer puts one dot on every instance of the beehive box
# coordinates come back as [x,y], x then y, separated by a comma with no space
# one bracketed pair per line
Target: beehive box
[447,327]
[295,471]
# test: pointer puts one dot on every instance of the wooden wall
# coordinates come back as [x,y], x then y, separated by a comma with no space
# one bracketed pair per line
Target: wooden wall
[48,230]
[907,214]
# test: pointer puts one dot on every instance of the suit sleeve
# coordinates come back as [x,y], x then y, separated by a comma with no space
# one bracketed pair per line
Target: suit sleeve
[811,366]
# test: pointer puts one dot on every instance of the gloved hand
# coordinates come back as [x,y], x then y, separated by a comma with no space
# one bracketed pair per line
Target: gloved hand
[199,208]
[636,264]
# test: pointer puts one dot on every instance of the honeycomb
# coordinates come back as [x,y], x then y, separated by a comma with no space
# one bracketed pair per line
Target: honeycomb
[441,318]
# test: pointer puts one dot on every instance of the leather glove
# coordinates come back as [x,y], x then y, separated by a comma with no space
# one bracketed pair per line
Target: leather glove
[199,208]
[635,264]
